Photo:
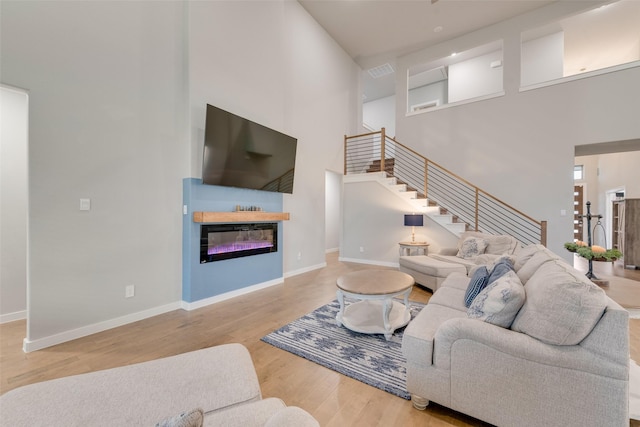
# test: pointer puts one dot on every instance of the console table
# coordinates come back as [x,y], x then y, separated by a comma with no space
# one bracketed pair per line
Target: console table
[414,248]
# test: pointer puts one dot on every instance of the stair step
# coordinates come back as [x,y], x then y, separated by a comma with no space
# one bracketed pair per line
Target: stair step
[392,181]
[442,218]
[409,194]
[458,227]
[398,187]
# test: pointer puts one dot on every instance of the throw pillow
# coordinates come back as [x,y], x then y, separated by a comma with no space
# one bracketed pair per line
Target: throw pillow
[499,302]
[562,306]
[502,267]
[476,285]
[193,418]
[471,248]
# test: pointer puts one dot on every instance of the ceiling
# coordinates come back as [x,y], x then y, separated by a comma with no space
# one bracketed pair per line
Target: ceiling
[373,32]
[368,28]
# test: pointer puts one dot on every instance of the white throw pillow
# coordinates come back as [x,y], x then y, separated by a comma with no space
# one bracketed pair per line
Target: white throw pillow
[499,302]
[471,248]
[192,418]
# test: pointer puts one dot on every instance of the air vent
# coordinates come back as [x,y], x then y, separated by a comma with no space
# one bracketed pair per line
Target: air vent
[380,70]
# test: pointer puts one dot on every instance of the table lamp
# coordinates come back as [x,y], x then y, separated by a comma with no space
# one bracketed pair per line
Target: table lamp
[413,220]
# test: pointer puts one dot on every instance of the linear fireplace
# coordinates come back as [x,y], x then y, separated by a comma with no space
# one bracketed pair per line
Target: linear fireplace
[226,241]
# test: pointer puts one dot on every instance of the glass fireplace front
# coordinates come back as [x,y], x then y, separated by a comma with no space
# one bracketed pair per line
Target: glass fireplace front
[226,241]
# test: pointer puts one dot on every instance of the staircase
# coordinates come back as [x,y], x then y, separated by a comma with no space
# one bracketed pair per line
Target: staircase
[448,199]
[420,204]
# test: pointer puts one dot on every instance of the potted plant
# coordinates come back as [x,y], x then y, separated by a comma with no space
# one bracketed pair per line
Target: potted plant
[594,252]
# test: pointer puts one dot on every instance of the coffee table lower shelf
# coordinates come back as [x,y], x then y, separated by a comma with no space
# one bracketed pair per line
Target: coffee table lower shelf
[367,317]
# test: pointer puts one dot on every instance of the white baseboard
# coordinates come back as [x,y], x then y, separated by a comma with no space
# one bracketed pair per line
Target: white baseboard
[38,344]
[634,313]
[12,317]
[370,262]
[305,270]
[228,295]
[331,250]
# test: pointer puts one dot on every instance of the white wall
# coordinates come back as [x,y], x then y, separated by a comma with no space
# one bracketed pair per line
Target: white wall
[475,77]
[542,59]
[606,172]
[105,109]
[620,170]
[333,210]
[520,147]
[380,113]
[434,92]
[118,95]
[14,106]
[374,221]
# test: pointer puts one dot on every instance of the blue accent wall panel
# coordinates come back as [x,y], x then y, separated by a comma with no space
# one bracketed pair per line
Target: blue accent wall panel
[200,281]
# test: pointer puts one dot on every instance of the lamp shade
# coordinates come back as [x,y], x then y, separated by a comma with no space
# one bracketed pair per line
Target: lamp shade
[413,220]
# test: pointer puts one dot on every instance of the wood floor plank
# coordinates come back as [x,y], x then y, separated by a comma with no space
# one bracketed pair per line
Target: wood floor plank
[335,400]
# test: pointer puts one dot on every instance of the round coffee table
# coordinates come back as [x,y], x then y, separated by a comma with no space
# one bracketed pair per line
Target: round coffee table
[376,312]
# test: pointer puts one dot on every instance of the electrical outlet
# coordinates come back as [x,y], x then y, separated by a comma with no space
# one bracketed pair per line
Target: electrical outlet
[361,248]
[129,291]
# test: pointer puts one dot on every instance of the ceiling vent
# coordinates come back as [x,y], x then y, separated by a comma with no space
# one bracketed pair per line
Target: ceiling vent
[380,70]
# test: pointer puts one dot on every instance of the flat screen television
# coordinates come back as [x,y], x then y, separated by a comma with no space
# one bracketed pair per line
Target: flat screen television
[241,153]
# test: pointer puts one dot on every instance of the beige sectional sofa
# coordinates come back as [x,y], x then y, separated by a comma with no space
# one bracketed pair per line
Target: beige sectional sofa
[221,381]
[431,270]
[560,358]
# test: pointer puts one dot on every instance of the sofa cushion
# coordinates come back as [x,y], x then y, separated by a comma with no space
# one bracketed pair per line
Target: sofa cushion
[472,247]
[468,264]
[497,244]
[534,263]
[449,297]
[477,284]
[500,301]
[429,265]
[457,280]
[525,254]
[562,305]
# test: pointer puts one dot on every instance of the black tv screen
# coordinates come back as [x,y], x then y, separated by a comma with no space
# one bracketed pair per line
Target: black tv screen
[241,153]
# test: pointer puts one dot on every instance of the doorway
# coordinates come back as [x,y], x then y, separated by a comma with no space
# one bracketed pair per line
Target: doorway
[14,107]
[578,211]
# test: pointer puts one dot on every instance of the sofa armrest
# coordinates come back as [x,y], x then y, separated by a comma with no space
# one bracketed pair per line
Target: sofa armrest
[448,251]
[141,394]
[521,346]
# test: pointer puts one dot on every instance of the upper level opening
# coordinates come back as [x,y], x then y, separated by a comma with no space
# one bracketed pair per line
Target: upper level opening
[597,41]
[462,76]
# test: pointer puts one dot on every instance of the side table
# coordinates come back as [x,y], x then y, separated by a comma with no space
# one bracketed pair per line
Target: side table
[414,248]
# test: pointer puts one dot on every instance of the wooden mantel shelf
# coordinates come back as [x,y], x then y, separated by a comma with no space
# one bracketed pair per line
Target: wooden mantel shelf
[242,216]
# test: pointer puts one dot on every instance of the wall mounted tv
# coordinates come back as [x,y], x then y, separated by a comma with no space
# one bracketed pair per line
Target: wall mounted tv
[241,153]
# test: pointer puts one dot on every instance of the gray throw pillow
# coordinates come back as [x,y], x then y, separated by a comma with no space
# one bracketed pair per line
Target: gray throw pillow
[562,305]
[499,302]
[501,268]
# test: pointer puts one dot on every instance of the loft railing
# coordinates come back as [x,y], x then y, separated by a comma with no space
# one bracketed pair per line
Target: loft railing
[376,152]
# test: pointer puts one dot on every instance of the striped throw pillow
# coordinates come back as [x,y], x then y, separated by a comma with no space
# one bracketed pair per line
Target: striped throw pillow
[476,285]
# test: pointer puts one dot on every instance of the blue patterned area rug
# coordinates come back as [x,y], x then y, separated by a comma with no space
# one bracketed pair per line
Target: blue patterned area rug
[367,358]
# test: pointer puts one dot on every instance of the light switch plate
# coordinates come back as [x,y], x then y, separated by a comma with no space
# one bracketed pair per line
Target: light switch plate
[85,204]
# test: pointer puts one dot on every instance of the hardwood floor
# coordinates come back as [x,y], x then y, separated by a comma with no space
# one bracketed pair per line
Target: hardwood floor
[624,284]
[333,399]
